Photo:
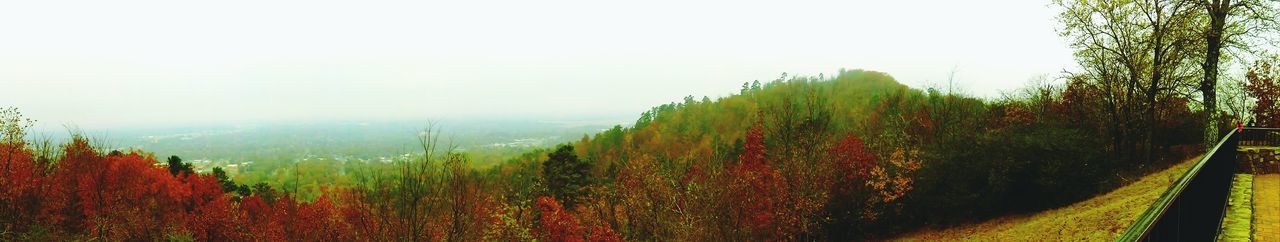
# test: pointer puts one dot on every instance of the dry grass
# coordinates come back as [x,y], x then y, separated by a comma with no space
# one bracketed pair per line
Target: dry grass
[1101,218]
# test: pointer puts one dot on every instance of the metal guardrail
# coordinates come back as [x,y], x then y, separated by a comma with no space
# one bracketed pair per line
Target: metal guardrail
[1192,208]
[1260,137]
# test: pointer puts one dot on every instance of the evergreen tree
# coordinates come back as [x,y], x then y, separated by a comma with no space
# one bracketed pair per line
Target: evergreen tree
[176,166]
[566,176]
[224,180]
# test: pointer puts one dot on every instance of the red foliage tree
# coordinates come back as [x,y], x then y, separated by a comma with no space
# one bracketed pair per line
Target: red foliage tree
[204,189]
[263,219]
[853,165]
[557,224]
[602,233]
[1076,106]
[65,207]
[758,191]
[218,220]
[753,150]
[1264,86]
[362,216]
[117,196]
[319,221]
[213,216]
[20,185]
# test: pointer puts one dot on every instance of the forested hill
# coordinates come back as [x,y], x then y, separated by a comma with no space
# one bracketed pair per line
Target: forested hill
[701,129]
[853,156]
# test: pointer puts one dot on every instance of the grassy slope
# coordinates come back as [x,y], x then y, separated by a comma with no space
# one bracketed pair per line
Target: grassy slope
[1101,218]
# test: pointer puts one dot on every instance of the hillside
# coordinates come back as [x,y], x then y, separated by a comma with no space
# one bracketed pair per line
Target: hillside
[855,156]
[1101,218]
[860,156]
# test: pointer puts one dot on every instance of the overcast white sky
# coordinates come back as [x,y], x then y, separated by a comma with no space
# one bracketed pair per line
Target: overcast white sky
[123,63]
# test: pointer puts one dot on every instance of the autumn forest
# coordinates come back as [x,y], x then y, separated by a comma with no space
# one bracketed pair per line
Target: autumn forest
[847,156]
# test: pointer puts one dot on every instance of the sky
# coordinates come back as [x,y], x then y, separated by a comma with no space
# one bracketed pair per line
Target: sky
[101,64]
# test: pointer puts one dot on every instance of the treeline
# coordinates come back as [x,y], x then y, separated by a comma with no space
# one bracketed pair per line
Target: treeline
[78,191]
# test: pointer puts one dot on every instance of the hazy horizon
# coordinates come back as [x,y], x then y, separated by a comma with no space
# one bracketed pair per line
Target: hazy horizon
[120,64]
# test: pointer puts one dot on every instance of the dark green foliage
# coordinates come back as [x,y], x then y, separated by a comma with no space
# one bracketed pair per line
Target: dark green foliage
[265,191]
[225,181]
[176,166]
[566,176]
[519,177]
[243,190]
[1029,153]
[1009,171]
